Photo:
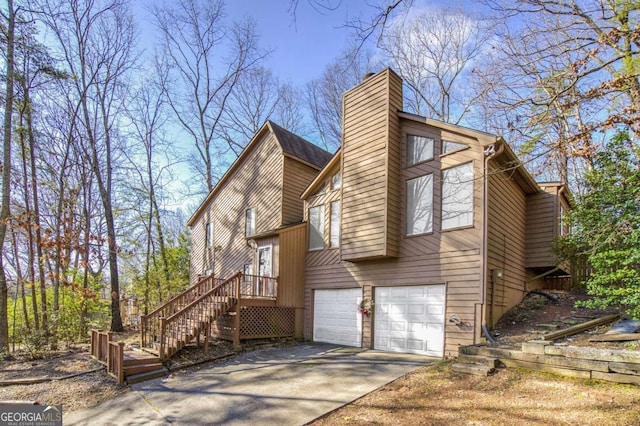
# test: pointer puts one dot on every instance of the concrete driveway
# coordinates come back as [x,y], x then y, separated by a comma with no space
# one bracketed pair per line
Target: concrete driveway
[280,386]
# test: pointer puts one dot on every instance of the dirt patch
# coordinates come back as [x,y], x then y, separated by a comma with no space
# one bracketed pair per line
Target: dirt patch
[538,315]
[75,393]
[195,355]
[436,395]
[55,365]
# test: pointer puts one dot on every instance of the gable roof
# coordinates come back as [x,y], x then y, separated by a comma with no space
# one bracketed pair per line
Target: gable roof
[315,183]
[291,145]
[508,157]
[299,148]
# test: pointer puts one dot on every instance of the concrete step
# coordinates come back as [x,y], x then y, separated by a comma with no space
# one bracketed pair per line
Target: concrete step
[141,377]
[479,360]
[475,369]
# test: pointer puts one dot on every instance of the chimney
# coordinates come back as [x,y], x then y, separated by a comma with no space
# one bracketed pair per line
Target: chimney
[371,153]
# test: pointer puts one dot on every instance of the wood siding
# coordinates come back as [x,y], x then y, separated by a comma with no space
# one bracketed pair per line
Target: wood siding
[324,197]
[542,228]
[370,178]
[291,278]
[451,257]
[295,178]
[506,246]
[258,184]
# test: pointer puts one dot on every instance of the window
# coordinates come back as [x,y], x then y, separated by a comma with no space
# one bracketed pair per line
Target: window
[265,261]
[420,205]
[419,149]
[316,228]
[450,146]
[247,270]
[334,236]
[336,181]
[457,196]
[563,225]
[250,222]
[209,235]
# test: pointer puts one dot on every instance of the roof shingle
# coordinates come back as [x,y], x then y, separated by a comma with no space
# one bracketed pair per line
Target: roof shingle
[299,147]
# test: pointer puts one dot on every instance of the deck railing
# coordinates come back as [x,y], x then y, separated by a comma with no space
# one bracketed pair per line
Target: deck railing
[100,344]
[150,323]
[109,353]
[195,318]
[115,361]
[260,287]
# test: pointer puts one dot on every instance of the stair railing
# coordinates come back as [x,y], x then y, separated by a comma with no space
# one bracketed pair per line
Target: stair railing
[180,328]
[150,323]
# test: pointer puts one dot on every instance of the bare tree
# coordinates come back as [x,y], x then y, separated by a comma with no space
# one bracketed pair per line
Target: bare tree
[568,74]
[207,58]
[259,96]
[96,40]
[373,25]
[324,94]
[148,117]
[437,54]
[9,32]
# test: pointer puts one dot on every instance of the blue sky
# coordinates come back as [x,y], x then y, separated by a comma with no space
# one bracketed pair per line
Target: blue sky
[302,48]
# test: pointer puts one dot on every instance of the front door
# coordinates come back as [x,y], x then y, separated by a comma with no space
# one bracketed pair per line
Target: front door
[264,270]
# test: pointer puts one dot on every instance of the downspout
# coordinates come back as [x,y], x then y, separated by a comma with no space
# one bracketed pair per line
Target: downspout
[490,152]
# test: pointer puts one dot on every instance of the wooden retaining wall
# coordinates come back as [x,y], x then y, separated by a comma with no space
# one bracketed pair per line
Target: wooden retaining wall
[612,365]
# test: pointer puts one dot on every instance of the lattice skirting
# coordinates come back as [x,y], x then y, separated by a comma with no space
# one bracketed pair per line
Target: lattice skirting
[258,322]
[266,321]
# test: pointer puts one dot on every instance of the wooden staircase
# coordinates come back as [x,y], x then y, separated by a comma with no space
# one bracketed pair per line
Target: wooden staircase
[124,365]
[139,366]
[188,316]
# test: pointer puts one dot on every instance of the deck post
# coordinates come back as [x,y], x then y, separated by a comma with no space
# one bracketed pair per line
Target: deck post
[207,330]
[163,330]
[120,363]
[236,328]
[94,342]
[143,326]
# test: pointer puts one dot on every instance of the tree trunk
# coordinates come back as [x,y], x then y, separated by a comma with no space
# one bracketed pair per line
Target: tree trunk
[6,176]
[31,273]
[20,282]
[36,217]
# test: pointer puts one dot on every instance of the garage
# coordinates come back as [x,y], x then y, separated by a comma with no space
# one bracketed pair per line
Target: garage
[410,319]
[336,318]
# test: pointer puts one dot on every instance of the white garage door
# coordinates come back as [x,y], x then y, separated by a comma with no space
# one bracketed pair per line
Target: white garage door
[410,319]
[336,318]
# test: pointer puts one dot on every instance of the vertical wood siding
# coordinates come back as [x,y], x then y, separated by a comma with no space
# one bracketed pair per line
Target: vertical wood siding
[292,254]
[291,278]
[506,244]
[542,228]
[369,183]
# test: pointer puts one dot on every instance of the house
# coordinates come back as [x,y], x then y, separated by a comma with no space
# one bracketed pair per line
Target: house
[252,222]
[421,233]
[414,237]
